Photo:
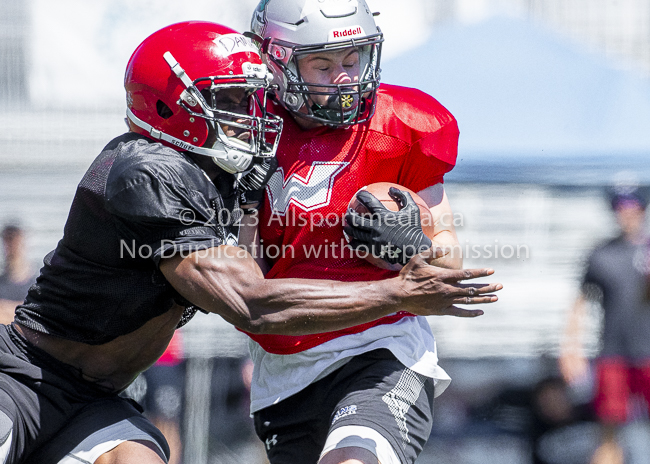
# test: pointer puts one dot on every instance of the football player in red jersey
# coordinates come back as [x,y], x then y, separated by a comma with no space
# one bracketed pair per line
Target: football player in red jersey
[150,239]
[362,394]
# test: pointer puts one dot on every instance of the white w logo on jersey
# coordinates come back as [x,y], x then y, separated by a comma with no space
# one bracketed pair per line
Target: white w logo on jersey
[307,193]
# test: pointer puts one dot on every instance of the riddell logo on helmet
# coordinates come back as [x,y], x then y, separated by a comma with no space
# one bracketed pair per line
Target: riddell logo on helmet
[338,34]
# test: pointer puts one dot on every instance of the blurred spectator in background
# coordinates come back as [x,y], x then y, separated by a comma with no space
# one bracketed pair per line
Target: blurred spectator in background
[165,392]
[561,431]
[232,434]
[617,276]
[17,275]
[555,428]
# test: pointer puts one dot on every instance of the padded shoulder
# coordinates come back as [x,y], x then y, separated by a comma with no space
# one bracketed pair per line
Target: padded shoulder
[417,119]
[415,109]
[149,180]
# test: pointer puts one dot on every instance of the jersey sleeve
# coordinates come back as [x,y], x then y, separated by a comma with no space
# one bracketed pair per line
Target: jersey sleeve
[154,209]
[430,158]
[429,130]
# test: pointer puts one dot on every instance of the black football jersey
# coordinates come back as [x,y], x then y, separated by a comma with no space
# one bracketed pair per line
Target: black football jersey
[138,203]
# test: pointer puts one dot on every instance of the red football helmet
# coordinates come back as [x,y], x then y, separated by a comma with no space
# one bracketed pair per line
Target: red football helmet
[175,82]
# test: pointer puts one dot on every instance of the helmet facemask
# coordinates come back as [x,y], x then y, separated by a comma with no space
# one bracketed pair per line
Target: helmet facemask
[348,103]
[234,108]
[253,135]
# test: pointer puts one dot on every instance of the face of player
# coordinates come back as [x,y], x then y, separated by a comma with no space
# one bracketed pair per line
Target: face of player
[233,100]
[336,67]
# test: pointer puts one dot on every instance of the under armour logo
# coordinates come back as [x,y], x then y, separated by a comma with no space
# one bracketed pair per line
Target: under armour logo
[345,411]
[271,442]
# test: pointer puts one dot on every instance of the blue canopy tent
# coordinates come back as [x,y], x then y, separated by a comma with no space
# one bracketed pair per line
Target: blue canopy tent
[531,106]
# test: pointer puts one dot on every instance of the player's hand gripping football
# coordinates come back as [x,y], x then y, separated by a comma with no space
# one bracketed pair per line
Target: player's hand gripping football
[435,291]
[394,236]
[253,183]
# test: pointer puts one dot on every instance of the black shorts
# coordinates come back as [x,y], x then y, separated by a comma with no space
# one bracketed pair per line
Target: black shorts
[49,413]
[373,391]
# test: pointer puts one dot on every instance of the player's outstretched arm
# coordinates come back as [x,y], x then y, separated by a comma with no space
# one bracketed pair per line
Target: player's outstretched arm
[226,280]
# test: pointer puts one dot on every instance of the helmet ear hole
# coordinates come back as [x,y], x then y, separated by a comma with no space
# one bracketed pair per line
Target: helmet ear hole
[163,110]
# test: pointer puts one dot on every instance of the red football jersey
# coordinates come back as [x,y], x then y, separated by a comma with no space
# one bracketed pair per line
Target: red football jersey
[411,140]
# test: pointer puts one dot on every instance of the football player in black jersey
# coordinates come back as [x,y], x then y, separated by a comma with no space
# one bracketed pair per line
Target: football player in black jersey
[151,238]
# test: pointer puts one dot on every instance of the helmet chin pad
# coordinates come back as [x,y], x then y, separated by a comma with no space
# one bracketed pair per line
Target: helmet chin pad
[234,162]
[235,154]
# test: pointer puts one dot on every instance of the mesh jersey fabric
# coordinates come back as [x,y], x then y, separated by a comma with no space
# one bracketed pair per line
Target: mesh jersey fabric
[617,268]
[411,140]
[138,202]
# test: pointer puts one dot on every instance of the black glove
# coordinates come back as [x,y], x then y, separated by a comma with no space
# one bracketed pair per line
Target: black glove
[394,236]
[253,183]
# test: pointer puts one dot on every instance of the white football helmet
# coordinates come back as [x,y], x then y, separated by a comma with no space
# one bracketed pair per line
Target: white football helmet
[290,29]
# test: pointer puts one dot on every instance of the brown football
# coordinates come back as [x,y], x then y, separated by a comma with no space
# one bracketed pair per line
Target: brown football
[380,191]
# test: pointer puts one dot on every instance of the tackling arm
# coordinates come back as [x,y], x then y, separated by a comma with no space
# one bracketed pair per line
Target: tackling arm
[249,239]
[226,280]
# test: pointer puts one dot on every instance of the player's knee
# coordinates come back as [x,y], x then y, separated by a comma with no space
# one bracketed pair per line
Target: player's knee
[136,452]
[350,455]
[353,444]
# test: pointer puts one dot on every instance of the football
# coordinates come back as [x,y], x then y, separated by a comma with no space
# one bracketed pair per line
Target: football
[380,191]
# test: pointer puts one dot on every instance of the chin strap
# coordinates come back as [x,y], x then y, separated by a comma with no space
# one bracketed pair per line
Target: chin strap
[230,161]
